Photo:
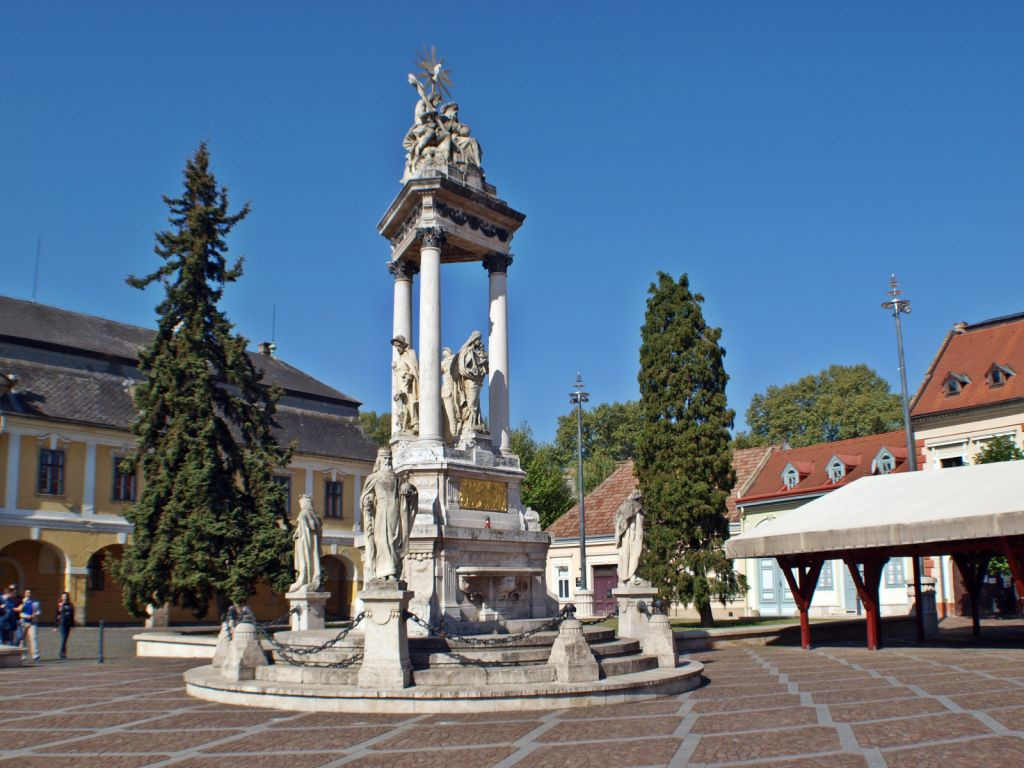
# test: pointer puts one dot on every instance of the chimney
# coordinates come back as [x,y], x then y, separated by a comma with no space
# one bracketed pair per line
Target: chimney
[960,327]
[267,348]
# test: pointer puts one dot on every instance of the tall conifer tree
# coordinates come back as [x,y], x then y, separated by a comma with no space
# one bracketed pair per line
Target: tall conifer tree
[210,522]
[683,457]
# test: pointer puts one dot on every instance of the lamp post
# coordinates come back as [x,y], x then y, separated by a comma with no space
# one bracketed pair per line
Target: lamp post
[578,397]
[899,307]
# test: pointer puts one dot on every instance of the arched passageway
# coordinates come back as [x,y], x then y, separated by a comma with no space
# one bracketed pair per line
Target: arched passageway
[338,581]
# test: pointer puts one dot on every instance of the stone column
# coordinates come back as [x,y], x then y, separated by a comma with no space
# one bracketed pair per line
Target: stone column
[386,661]
[89,480]
[497,267]
[401,323]
[430,336]
[13,464]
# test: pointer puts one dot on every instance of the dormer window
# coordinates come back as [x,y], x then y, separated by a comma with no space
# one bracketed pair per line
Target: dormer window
[793,474]
[955,383]
[998,374]
[884,462]
[836,469]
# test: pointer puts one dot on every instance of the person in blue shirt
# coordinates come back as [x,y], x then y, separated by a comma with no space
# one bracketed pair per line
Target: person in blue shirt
[8,617]
[65,621]
[29,611]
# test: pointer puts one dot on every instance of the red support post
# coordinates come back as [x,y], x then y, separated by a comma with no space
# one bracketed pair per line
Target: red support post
[867,590]
[802,588]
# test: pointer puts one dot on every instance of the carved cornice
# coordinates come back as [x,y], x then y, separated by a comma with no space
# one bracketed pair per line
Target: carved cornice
[432,237]
[460,217]
[403,269]
[407,225]
[497,262]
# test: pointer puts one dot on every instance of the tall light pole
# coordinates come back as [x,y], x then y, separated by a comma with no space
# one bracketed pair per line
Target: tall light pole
[899,307]
[578,397]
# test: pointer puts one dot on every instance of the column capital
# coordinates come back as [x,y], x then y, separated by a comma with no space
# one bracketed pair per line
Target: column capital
[432,237]
[403,269]
[497,262]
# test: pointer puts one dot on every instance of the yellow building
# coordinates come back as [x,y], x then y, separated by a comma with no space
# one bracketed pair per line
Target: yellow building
[65,413]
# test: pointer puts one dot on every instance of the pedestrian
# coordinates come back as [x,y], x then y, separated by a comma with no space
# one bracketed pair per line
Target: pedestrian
[8,617]
[65,621]
[29,611]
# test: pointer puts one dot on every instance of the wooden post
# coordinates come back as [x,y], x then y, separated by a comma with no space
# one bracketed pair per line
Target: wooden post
[972,571]
[803,591]
[867,590]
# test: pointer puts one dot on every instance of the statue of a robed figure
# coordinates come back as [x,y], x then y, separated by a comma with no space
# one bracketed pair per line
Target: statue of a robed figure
[388,506]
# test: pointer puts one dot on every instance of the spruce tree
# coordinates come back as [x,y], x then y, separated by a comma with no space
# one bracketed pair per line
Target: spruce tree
[210,522]
[683,459]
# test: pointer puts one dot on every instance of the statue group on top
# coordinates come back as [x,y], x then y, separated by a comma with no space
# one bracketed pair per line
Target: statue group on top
[462,380]
[437,137]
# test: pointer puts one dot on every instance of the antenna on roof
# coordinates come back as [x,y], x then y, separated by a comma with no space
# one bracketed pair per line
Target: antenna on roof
[273,323]
[39,255]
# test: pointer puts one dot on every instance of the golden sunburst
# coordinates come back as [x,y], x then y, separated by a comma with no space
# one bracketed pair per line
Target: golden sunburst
[435,71]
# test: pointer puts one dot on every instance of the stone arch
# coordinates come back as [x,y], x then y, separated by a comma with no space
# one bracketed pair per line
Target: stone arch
[339,574]
[103,593]
[36,565]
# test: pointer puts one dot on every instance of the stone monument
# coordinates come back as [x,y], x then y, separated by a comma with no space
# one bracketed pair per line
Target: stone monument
[461,464]
[633,596]
[306,600]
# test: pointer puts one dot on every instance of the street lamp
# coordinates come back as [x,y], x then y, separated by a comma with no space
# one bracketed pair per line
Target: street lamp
[899,307]
[578,397]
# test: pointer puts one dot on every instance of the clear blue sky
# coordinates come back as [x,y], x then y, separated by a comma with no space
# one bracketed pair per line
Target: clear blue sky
[787,155]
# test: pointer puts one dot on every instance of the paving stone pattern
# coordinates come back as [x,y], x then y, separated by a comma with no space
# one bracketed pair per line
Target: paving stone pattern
[834,707]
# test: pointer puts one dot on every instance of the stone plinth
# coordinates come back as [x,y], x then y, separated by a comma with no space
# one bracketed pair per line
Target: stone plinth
[660,642]
[584,602]
[633,621]
[307,608]
[571,657]
[220,651]
[245,653]
[386,663]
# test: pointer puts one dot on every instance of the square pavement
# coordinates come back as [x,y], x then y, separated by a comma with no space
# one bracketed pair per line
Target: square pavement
[837,706]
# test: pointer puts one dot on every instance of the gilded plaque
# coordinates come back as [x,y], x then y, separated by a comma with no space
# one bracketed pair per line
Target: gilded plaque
[483,495]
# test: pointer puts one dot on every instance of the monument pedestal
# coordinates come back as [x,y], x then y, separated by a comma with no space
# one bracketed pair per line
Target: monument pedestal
[633,622]
[245,653]
[386,663]
[660,641]
[584,602]
[307,608]
[571,657]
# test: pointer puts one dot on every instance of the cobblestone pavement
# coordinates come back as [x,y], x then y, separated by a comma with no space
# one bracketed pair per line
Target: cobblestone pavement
[836,706]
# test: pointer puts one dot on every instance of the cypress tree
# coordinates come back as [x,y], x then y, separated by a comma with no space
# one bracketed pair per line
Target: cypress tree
[210,522]
[683,459]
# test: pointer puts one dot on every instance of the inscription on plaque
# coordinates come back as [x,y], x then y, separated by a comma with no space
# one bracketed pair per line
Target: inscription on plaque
[483,495]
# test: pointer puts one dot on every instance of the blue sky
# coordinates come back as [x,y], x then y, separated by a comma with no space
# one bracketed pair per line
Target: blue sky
[787,155]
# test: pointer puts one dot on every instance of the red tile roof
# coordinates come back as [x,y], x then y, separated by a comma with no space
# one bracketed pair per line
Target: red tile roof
[857,453]
[970,350]
[601,504]
[746,462]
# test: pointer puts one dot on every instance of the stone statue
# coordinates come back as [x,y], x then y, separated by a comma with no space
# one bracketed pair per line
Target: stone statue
[629,535]
[437,137]
[451,394]
[388,507]
[406,375]
[472,369]
[308,538]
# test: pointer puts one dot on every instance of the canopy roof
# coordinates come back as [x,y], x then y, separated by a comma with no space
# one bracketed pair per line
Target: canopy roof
[985,501]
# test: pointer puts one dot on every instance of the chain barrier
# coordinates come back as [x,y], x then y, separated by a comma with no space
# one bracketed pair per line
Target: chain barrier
[552,622]
[295,654]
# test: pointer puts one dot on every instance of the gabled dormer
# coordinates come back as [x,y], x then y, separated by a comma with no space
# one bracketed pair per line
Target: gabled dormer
[954,383]
[887,459]
[794,472]
[839,465]
[998,374]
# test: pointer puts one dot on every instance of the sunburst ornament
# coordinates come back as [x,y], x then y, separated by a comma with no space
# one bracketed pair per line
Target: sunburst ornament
[433,68]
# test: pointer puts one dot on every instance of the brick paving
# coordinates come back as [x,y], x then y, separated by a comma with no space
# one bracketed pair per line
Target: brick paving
[838,706]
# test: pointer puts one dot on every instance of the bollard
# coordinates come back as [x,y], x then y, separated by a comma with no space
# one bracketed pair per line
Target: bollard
[99,652]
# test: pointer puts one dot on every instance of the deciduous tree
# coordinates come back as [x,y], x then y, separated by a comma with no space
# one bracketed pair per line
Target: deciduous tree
[683,459]
[837,403]
[210,522]
[377,426]
[544,488]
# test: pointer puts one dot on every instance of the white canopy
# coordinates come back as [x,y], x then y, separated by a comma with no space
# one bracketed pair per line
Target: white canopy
[972,502]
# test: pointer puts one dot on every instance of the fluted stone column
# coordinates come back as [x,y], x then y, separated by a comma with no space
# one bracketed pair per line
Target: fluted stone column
[497,268]
[430,335]
[401,324]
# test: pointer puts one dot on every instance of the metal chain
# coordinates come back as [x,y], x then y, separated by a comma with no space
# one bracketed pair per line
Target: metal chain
[552,622]
[291,653]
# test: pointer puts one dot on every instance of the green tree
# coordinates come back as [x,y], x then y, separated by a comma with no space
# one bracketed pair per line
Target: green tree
[210,522]
[840,402]
[1001,448]
[544,488]
[609,436]
[683,457]
[377,427]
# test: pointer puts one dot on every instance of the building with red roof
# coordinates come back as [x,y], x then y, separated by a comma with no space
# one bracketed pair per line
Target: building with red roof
[791,477]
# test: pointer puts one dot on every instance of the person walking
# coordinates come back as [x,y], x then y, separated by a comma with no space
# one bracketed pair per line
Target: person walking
[65,621]
[29,611]
[8,617]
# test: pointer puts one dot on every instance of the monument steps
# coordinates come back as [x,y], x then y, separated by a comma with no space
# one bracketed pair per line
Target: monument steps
[616,666]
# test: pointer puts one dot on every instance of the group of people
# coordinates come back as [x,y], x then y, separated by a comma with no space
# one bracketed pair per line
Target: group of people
[19,621]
